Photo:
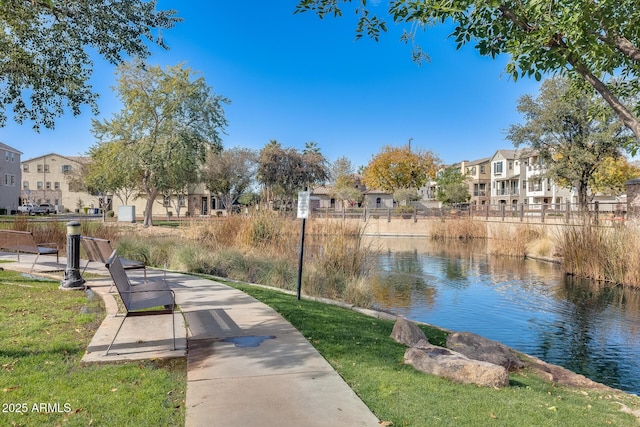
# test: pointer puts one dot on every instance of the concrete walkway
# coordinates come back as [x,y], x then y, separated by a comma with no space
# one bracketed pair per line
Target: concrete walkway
[246,365]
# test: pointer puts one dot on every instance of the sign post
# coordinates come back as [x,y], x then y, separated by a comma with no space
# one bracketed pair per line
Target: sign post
[303,213]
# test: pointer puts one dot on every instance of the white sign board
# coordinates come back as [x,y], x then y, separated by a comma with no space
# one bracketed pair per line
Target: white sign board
[303,204]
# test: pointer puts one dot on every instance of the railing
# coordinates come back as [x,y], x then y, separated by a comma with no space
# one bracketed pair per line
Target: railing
[563,212]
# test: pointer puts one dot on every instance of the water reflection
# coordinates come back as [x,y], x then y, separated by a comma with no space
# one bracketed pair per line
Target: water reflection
[528,305]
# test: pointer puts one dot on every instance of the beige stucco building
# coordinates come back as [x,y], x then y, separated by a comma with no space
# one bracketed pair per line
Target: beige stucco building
[53,179]
[50,179]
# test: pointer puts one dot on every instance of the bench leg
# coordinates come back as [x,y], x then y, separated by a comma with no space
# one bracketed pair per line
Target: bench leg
[116,334]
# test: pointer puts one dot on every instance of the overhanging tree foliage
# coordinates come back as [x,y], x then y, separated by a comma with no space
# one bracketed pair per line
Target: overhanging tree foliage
[588,40]
[46,47]
[170,118]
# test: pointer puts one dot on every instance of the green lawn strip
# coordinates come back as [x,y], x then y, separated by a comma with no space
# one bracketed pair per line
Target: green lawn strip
[44,332]
[361,351]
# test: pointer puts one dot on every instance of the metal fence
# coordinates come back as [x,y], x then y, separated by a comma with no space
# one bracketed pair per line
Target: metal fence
[558,212]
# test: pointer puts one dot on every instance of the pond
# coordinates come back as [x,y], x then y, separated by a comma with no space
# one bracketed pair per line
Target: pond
[527,305]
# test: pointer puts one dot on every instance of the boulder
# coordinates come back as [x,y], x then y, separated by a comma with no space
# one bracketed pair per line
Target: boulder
[479,348]
[449,364]
[407,333]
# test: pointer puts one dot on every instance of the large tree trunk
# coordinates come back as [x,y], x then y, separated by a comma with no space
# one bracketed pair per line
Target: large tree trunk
[148,211]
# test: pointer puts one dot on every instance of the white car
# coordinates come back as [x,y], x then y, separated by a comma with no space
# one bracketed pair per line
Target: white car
[48,208]
[31,209]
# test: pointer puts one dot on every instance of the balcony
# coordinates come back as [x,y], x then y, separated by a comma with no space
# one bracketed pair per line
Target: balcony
[507,192]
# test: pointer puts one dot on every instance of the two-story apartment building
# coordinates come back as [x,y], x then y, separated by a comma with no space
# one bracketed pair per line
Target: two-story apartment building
[10,177]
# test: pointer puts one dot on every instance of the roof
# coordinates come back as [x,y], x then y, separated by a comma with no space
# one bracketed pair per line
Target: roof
[7,148]
[479,161]
[77,159]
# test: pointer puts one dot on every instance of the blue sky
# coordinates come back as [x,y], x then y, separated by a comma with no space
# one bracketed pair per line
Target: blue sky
[296,78]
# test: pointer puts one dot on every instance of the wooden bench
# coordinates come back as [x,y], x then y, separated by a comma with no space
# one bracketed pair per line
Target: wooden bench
[24,242]
[99,250]
[143,299]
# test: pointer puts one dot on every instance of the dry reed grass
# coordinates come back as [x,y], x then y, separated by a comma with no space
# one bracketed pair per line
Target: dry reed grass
[607,254]
[464,228]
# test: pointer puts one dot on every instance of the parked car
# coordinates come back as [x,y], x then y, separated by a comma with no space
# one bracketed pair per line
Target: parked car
[31,209]
[48,208]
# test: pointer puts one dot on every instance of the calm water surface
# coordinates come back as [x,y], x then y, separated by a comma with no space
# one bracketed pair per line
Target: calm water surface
[527,305]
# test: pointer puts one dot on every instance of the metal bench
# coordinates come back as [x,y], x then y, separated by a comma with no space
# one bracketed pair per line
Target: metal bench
[99,250]
[145,299]
[24,242]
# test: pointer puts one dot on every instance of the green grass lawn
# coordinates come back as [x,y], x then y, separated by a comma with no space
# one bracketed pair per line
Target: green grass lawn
[360,349]
[44,332]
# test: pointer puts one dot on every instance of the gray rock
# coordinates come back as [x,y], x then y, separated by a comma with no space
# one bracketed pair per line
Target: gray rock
[449,364]
[406,332]
[479,348]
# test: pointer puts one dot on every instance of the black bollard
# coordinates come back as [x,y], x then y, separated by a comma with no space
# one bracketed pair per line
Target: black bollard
[72,278]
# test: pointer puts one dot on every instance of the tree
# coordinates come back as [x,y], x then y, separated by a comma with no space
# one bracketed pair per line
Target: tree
[611,176]
[404,196]
[230,173]
[47,46]
[284,171]
[588,40]
[170,118]
[340,168]
[100,177]
[400,167]
[452,187]
[571,143]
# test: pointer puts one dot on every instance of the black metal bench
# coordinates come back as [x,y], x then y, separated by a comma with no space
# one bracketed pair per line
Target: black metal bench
[144,299]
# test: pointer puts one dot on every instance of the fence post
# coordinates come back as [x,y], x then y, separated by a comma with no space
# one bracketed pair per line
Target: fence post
[542,211]
[487,213]
[521,211]
[388,214]
[503,207]
[568,212]
[596,208]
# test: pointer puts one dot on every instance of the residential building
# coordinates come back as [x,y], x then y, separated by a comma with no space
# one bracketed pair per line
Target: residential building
[52,178]
[479,173]
[539,189]
[506,180]
[10,177]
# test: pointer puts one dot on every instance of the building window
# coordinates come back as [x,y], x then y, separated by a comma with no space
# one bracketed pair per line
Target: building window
[56,185]
[25,167]
[497,167]
[48,185]
[66,168]
[482,169]
[166,201]
[39,168]
[473,170]
[46,168]
[39,185]
[6,156]
[25,185]
[510,165]
[12,157]
[181,200]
